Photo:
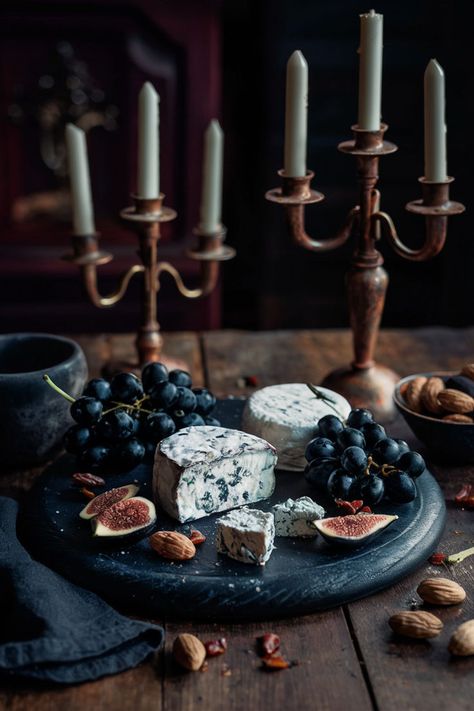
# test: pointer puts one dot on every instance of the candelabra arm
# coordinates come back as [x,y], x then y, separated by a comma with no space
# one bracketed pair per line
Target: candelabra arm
[435,207]
[89,275]
[209,274]
[295,219]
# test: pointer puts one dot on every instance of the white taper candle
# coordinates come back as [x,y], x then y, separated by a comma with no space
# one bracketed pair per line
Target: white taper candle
[435,126]
[296,115]
[82,210]
[370,71]
[212,170]
[148,179]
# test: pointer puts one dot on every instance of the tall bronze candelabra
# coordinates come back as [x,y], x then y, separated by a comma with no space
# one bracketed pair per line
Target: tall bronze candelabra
[146,217]
[366,383]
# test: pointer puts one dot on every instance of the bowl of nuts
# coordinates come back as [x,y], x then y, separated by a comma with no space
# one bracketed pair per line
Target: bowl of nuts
[439,408]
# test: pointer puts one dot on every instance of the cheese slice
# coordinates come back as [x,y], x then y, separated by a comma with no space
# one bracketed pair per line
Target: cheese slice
[246,535]
[287,415]
[202,470]
[295,517]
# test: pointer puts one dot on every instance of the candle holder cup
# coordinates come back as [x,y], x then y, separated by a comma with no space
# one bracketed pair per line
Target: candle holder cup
[366,383]
[146,216]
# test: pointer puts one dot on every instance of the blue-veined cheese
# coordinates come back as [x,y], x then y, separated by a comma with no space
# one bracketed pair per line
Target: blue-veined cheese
[295,517]
[246,535]
[201,470]
[287,415]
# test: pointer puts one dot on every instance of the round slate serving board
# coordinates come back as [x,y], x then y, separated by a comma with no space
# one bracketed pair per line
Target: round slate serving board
[301,576]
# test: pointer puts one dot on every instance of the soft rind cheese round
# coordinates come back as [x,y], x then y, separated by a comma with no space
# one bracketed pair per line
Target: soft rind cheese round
[287,415]
[201,470]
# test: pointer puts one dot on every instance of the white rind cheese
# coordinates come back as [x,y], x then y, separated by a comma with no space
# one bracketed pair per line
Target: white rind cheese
[246,535]
[286,416]
[295,517]
[202,470]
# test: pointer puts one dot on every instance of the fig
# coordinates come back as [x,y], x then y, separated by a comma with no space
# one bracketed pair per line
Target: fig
[103,501]
[353,530]
[124,517]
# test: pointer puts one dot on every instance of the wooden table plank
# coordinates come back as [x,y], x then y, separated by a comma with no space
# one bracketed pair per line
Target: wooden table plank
[302,356]
[321,644]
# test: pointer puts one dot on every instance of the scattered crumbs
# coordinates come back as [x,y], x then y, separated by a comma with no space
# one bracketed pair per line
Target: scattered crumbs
[61,530]
[226,670]
[231,585]
[258,589]
[205,666]
[122,552]
[57,512]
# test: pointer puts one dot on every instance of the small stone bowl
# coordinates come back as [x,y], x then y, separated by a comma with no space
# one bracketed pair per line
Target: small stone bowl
[34,418]
[449,442]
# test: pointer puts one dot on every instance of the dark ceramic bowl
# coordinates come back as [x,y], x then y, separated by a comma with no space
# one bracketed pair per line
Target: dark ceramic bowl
[34,418]
[450,442]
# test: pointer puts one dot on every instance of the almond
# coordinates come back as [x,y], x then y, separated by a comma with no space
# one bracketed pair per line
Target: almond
[412,393]
[172,545]
[468,371]
[456,417]
[189,651]
[441,591]
[417,624]
[456,401]
[429,395]
[462,641]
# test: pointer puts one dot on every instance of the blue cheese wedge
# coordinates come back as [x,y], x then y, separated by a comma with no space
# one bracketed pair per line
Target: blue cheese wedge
[296,517]
[246,535]
[287,415]
[202,470]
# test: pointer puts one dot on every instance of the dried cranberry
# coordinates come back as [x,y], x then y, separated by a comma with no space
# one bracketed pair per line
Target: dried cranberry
[268,644]
[196,537]
[88,479]
[215,647]
[275,663]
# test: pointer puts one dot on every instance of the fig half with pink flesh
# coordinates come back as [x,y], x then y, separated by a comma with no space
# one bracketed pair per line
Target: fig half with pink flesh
[108,498]
[125,517]
[354,530]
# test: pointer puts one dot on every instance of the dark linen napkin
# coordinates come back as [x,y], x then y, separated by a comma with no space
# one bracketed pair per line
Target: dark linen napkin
[54,631]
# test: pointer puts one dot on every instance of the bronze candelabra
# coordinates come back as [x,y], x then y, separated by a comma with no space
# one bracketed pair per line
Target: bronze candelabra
[146,216]
[366,383]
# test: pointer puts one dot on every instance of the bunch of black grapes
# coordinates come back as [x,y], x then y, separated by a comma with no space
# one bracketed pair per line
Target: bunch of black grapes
[357,460]
[119,423]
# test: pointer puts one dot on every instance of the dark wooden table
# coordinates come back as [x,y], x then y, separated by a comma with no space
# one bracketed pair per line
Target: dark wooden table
[347,657]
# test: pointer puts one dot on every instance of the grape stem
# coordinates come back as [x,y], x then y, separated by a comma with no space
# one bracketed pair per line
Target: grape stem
[55,387]
[321,396]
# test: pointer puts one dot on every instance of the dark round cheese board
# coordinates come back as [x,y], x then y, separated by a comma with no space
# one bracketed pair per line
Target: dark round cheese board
[302,575]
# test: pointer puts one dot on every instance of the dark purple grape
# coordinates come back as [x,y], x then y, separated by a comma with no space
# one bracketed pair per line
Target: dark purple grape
[211,421]
[180,377]
[205,401]
[386,451]
[186,400]
[96,457]
[319,448]
[152,374]
[359,417]
[368,488]
[329,426]
[116,425]
[126,388]
[318,472]
[350,437]
[339,484]
[188,419]
[77,438]
[99,389]
[403,446]
[373,433]
[354,460]
[128,454]
[86,410]
[157,426]
[412,463]
[164,395]
[400,488]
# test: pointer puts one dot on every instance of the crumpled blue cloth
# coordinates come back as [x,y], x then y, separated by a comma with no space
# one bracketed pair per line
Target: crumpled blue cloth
[54,631]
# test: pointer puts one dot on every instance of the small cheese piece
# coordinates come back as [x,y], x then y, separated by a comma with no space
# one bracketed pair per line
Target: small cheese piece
[246,535]
[201,470]
[295,517]
[287,415]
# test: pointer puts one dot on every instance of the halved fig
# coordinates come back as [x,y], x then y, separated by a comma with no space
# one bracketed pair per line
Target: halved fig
[125,517]
[353,530]
[103,501]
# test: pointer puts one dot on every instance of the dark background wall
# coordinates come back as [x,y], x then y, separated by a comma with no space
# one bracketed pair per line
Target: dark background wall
[228,59]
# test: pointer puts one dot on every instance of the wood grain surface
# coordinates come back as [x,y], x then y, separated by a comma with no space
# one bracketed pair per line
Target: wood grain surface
[347,657]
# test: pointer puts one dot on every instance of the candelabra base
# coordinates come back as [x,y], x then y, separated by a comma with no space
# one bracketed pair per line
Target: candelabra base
[113,367]
[366,387]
